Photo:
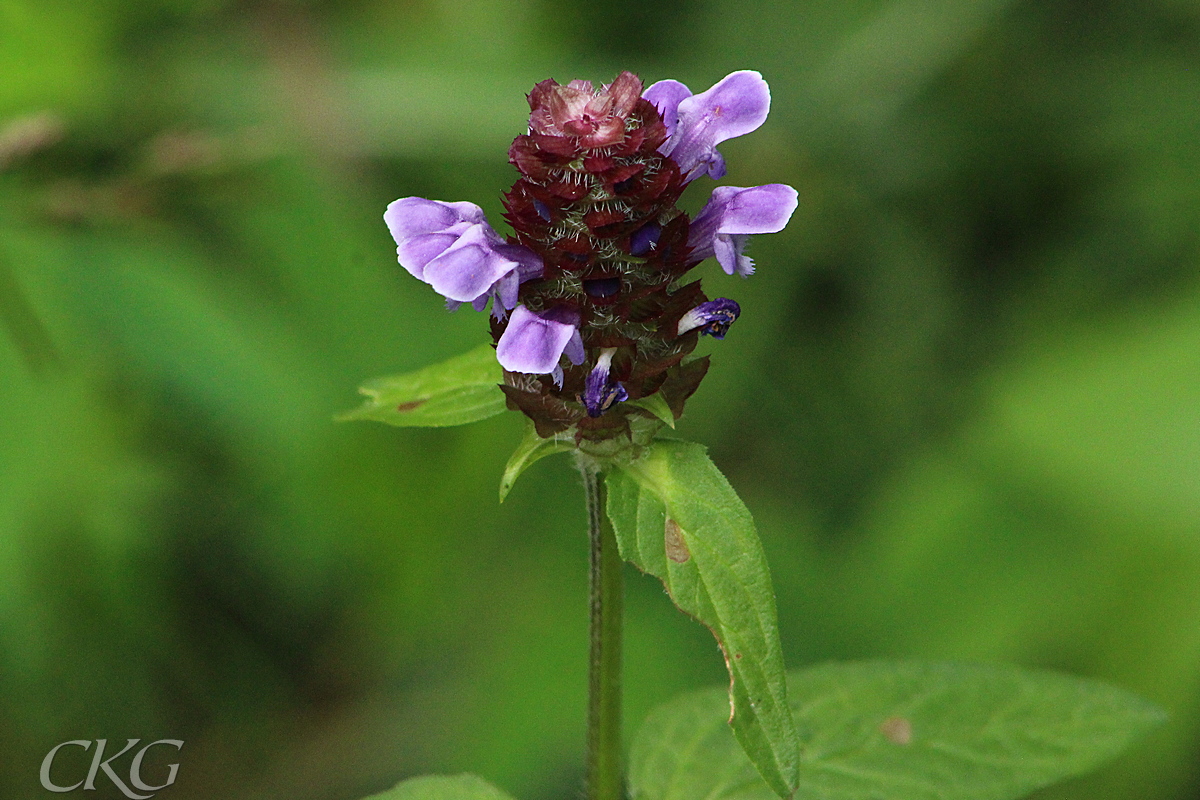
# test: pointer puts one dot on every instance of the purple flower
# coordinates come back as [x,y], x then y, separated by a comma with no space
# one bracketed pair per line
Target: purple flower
[451,247]
[731,215]
[599,393]
[696,124]
[712,318]
[534,343]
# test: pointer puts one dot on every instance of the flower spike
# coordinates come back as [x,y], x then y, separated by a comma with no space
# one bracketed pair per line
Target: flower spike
[592,282]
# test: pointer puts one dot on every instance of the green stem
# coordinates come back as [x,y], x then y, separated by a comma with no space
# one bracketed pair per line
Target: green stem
[604,772]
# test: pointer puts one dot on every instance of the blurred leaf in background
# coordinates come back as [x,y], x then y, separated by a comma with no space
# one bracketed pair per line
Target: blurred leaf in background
[960,402]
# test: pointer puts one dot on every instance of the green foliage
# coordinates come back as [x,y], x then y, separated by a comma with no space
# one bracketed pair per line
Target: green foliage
[532,449]
[461,390]
[657,405]
[899,731]
[442,787]
[677,518]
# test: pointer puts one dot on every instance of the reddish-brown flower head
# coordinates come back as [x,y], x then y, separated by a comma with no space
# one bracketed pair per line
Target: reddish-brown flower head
[596,203]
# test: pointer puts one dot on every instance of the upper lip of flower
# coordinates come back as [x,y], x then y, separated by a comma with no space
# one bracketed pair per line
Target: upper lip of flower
[696,124]
[600,392]
[712,318]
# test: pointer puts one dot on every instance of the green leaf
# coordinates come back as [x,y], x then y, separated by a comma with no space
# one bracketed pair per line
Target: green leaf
[677,518]
[899,731]
[531,449]
[443,787]
[657,405]
[455,392]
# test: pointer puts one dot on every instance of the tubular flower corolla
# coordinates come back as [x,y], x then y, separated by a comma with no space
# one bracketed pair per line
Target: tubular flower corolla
[712,318]
[451,247]
[697,123]
[599,391]
[731,215]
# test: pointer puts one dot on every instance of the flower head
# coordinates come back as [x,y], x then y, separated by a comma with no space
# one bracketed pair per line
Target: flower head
[593,271]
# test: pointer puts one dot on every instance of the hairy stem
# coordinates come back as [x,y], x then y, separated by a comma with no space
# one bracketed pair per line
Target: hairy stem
[604,772]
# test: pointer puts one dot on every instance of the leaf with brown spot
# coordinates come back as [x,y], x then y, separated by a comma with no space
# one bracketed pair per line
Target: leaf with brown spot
[899,730]
[677,518]
[461,390]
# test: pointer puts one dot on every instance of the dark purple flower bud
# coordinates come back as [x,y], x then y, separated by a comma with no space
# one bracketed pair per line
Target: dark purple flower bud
[534,343]
[645,238]
[600,393]
[600,288]
[451,247]
[731,215]
[696,124]
[712,318]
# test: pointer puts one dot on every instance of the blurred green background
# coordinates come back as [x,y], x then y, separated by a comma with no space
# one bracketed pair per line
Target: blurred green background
[963,400]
